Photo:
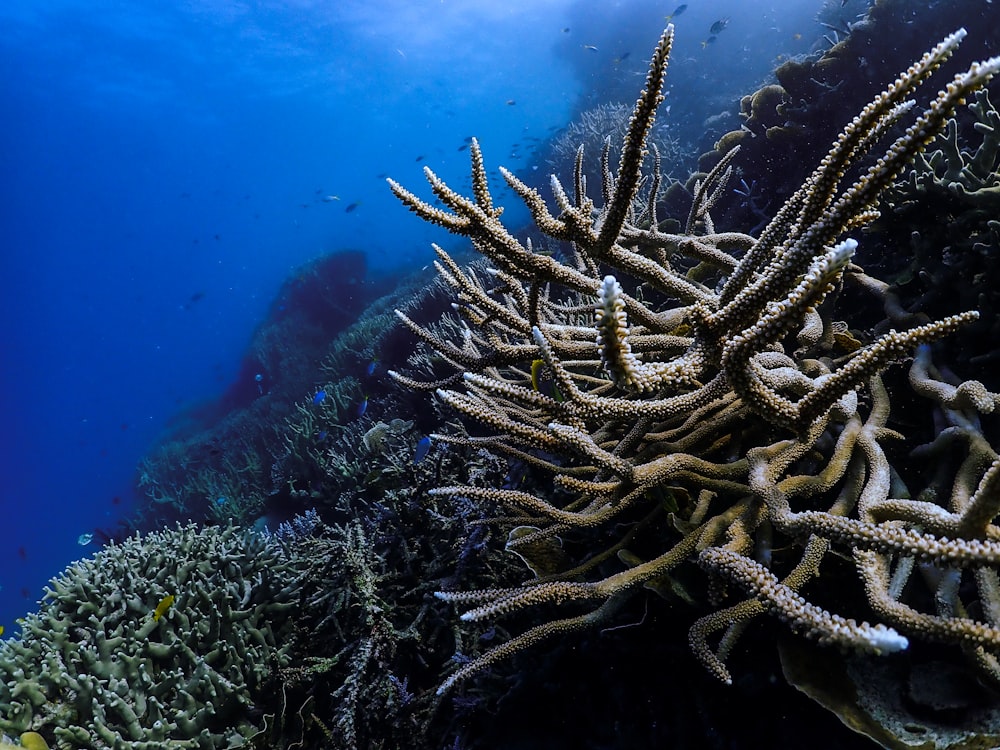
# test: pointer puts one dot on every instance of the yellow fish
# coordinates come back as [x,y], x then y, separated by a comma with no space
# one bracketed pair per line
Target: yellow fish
[1,630]
[33,741]
[536,369]
[161,608]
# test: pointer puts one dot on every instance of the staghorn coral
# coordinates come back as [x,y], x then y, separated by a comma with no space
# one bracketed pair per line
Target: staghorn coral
[839,77]
[723,418]
[93,669]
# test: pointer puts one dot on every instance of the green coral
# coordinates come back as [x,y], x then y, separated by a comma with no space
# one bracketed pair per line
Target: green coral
[93,669]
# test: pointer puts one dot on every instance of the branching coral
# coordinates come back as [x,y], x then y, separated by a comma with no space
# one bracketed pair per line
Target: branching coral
[946,210]
[604,127]
[377,639]
[969,174]
[694,398]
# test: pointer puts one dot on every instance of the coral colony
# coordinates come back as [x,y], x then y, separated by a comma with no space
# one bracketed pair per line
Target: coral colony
[706,402]
[119,673]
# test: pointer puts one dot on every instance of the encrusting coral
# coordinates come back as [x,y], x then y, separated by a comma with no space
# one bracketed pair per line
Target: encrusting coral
[694,397]
[95,668]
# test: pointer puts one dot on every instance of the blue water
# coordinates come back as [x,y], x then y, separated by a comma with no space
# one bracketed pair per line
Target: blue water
[165,166]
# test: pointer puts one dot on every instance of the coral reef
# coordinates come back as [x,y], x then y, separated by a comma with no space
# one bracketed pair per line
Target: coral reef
[708,398]
[371,641]
[605,126]
[787,123]
[945,210]
[319,338]
[95,669]
[378,641]
[670,428]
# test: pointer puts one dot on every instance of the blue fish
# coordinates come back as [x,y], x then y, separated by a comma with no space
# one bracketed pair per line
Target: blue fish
[370,370]
[423,448]
[718,26]
[677,11]
[318,398]
[363,406]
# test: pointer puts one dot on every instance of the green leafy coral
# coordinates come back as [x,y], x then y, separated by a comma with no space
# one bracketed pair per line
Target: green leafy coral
[93,668]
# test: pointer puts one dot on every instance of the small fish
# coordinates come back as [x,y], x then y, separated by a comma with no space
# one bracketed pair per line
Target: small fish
[677,11]
[351,207]
[330,198]
[591,47]
[796,37]
[708,41]
[161,608]
[419,158]
[318,398]
[84,539]
[372,366]
[622,57]
[423,448]
[363,406]
[1,630]
[463,147]
[192,300]
[718,26]
[543,557]
[566,30]
[510,102]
